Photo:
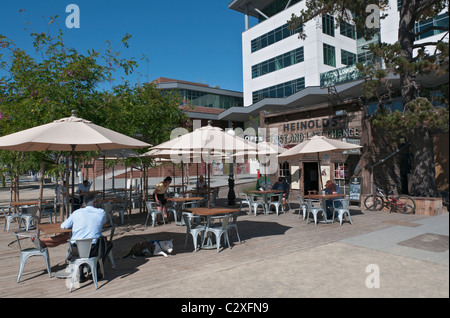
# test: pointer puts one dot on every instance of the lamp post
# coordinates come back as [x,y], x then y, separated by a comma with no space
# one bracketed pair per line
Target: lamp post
[231,194]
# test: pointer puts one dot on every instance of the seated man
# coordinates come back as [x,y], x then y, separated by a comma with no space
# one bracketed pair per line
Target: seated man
[281,184]
[85,223]
[331,188]
[201,183]
[83,189]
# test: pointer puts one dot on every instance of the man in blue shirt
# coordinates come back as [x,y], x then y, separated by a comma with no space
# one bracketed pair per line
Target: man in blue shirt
[331,188]
[284,186]
[85,223]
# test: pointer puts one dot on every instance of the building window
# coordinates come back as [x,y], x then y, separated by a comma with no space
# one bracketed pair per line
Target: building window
[348,30]
[341,177]
[197,98]
[275,7]
[328,24]
[348,58]
[272,37]
[283,171]
[329,55]
[441,21]
[279,62]
[280,91]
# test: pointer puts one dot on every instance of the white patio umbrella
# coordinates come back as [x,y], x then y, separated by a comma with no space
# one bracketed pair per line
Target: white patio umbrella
[207,140]
[68,134]
[318,144]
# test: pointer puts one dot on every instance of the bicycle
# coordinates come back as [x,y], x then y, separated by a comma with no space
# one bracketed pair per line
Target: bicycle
[402,203]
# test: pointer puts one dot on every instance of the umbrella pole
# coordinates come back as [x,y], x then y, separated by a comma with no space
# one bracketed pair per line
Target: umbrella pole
[41,193]
[182,178]
[104,177]
[320,173]
[73,175]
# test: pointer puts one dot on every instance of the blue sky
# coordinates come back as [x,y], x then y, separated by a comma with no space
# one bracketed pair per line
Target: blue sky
[198,40]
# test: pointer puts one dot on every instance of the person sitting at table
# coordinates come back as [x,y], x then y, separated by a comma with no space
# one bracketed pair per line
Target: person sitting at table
[281,184]
[264,183]
[331,188]
[86,222]
[201,183]
[159,195]
[83,189]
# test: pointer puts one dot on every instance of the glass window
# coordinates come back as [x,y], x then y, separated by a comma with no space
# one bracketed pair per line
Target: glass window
[341,177]
[280,90]
[347,30]
[348,58]
[279,62]
[328,24]
[329,55]
[272,37]
[441,20]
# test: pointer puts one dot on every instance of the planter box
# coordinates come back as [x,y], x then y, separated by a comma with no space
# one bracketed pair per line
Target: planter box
[428,206]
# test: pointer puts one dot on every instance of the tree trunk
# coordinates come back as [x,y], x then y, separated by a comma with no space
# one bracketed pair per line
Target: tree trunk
[423,169]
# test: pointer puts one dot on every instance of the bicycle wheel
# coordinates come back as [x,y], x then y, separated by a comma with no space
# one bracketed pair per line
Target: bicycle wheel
[374,203]
[405,204]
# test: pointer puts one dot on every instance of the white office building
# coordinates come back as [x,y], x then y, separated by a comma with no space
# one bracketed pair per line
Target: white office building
[282,72]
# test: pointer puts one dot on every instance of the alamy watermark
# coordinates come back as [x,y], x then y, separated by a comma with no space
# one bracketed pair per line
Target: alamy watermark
[73,19]
[373,19]
[373,279]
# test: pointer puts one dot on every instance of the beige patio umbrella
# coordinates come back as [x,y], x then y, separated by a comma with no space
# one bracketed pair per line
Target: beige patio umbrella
[318,144]
[68,134]
[207,140]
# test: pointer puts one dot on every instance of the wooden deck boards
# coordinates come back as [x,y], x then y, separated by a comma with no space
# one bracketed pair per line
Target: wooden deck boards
[263,236]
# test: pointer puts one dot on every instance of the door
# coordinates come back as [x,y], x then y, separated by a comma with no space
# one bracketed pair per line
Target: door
[311,176]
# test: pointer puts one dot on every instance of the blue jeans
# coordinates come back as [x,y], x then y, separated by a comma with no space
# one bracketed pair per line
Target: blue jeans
[329,207]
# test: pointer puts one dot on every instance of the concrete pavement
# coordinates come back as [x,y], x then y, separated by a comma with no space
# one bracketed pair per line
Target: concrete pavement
[406,259]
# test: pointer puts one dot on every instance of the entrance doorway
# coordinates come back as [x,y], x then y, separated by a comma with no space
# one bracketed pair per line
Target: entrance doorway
[311,176]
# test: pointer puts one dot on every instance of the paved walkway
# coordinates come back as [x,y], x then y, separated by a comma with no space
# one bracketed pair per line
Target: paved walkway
[401,256]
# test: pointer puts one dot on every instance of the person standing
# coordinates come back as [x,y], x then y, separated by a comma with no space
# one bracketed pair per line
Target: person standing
[160,196]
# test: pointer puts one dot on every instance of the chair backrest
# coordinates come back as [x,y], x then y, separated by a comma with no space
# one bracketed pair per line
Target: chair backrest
[300,200]
[108,207]
[34,239]
[234,216]
[3,208]
[345,203]
[187,221]
[251,198]
[30,209]
[84,247]
[243,196]
[308,203]
[225,221]
[151,205]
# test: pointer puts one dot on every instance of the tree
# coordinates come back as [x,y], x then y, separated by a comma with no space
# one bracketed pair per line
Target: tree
[39,87]
[420,116]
